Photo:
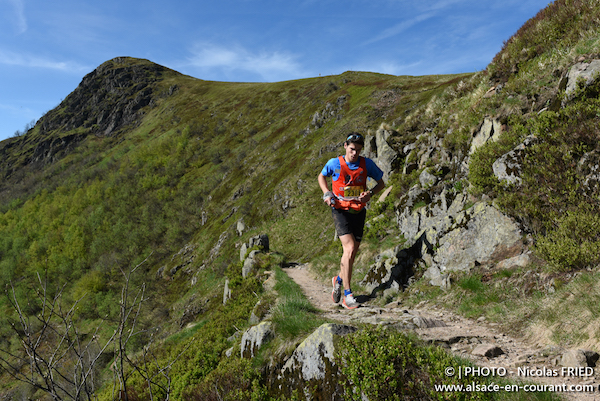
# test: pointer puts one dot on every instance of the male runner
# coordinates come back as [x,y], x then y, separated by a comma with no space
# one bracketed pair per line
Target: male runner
[348,198]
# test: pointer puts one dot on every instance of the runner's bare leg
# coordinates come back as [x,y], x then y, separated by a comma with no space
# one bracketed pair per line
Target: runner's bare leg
[350,248]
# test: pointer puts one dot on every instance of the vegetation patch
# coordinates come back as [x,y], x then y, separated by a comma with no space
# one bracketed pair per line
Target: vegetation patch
[387,365]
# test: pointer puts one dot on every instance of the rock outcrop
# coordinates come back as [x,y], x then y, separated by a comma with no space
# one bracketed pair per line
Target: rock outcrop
[475,237]
[121,89]
[462,235]
[577,358]
[260,241]
[378,149]
[261,244]
[490,131]
[254,338]
[392,270]
[311,370]
[508,167]
[583,74]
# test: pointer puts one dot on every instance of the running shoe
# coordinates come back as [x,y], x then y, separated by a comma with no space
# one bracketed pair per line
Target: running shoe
[336,294]
[349,302]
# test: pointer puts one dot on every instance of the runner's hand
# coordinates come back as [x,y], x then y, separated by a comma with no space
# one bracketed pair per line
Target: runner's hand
[365,196]
[328,198]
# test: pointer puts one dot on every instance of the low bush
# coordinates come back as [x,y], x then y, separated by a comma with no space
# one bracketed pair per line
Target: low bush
[380,364]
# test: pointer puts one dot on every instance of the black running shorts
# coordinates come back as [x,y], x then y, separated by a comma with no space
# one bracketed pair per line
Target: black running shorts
[349,223]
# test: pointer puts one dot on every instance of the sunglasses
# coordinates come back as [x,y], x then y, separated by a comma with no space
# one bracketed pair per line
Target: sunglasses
[355,138]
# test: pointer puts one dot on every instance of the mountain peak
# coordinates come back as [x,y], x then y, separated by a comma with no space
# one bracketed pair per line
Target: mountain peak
[107,99]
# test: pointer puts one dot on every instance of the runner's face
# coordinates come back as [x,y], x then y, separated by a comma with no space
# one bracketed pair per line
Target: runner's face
[352,152]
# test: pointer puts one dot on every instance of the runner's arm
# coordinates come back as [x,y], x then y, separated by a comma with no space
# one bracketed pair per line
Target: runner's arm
[324,188]
[367,195]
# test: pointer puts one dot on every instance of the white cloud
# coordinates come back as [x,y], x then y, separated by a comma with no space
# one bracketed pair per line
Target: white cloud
[19,15]
[399,28]
[238,61]
[417,12]
[25,60]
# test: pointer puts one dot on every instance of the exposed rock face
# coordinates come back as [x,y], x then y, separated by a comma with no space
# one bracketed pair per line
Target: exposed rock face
[490,130]
[254,338]
[110,98]
[508,166]
[433,220]
[427,179]
[311,369]
[118,95]
[461,238]
[330,112]
[52,149]
[378,149]
[475,237]
[584,72]
[391,270]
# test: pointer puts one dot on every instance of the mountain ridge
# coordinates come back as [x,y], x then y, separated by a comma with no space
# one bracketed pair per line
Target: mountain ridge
[143,166]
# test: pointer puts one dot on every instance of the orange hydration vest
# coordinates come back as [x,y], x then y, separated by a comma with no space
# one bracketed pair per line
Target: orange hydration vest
[349,185]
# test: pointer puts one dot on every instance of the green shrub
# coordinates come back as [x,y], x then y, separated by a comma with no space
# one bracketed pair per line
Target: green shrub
[234,379]
[380,364]
[481,174]
[560,25]
[574,243]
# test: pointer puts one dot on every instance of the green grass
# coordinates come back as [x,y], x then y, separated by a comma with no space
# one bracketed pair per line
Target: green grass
[212,153]
[477,298]
[293,315]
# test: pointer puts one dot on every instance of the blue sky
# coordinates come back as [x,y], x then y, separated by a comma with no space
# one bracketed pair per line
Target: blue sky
[47,47]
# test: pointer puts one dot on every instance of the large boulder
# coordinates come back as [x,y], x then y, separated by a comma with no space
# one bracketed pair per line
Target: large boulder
[577,358]
[311,370]
[475,237]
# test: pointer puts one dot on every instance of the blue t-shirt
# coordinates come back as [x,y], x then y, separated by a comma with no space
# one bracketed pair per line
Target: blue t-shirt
[332,169]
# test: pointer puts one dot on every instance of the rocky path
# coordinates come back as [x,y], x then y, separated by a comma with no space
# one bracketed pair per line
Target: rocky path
[478,341]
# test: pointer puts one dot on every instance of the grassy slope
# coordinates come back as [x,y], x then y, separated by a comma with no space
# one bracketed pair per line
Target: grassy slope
[226,151]
[552,301]
[242,151]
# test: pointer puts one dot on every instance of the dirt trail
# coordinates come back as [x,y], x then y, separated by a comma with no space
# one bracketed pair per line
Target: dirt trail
[463,337]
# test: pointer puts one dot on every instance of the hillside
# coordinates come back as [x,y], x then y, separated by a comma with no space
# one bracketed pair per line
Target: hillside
[127,212]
